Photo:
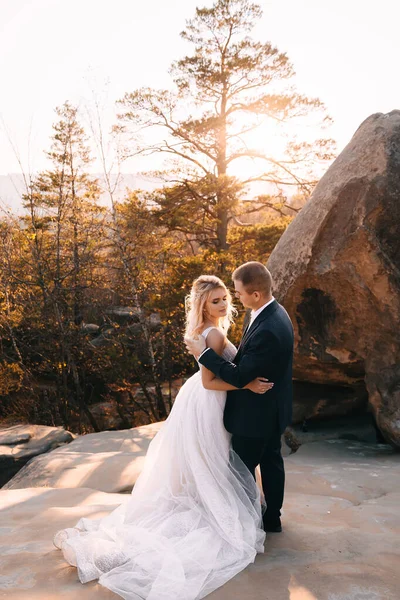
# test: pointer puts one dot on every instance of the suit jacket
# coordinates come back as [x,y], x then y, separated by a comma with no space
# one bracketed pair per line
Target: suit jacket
[266,350]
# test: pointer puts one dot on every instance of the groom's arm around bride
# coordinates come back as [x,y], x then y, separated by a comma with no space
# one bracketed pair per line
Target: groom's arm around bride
[266,350]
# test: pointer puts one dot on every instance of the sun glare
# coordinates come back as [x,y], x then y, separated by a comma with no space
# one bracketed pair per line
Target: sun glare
[269,140]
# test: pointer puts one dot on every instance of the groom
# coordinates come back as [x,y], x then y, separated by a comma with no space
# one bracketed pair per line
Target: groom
[266,350]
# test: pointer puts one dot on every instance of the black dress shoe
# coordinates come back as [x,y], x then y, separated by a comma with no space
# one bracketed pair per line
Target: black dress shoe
[273,526]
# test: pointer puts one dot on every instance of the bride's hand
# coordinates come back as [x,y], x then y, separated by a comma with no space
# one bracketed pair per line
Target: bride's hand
[260,385]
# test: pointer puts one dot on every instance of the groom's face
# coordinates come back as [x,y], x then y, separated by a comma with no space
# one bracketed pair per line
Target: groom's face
[248,300]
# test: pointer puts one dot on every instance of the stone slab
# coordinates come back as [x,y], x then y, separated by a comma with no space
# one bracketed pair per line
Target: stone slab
[340,540]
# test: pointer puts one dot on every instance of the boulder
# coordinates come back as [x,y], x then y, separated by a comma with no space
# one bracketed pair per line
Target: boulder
[123,409]
[359,428]
[9,438]
[108,461]
[107,415]
[336,269]
[20,443]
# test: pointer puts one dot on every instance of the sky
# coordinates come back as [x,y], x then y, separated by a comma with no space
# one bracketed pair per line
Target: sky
[345,52]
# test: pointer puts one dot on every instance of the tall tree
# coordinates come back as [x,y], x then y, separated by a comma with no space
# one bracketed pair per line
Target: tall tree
[64,202]
[224,90]
[131,244]
[63,225]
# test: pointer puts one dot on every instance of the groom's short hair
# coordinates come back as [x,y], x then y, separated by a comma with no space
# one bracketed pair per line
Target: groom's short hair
[254,276]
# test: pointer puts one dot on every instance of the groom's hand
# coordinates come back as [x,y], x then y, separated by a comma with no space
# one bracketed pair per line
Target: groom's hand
[195,346]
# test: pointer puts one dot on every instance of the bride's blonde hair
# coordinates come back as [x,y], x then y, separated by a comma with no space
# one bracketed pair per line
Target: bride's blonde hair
[195,304]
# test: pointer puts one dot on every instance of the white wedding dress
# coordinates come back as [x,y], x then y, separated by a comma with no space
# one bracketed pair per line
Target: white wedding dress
[193,520]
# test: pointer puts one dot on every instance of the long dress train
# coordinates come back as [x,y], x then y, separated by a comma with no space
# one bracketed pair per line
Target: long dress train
[193,520]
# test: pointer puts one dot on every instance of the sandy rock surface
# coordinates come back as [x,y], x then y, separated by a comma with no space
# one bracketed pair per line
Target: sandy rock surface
[340,539]
[109,461]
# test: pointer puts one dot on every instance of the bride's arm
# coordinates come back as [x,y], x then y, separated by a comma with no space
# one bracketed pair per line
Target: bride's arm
[210,382]
[260,385]
[216,341]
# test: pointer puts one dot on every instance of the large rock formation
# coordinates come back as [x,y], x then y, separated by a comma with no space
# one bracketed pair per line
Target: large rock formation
[337,271]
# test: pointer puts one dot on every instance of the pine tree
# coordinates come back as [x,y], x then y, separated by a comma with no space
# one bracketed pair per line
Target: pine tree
[225,89]
[64,226]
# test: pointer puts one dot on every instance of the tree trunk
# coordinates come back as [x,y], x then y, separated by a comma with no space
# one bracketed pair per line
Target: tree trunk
[222,200]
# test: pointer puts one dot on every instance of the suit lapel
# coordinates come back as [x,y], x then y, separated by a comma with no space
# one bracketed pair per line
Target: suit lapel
[271,308]
[249,332]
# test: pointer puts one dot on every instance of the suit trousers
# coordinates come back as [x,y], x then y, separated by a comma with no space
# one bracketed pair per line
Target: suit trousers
[267,454]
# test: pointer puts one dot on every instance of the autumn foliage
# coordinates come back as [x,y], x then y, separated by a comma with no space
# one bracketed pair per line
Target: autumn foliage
[92,294]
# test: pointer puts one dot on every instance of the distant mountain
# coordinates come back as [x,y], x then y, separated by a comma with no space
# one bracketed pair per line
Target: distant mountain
[12,188]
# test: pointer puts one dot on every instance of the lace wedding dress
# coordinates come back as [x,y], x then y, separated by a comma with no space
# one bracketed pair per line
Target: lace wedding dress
[193,520]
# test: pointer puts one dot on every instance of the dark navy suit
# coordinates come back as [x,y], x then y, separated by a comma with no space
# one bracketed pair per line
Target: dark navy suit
[257,421]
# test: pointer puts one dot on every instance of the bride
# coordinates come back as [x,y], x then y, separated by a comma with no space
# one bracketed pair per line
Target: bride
[194,519]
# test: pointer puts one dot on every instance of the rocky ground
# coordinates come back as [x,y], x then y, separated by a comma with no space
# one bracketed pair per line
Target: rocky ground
[21,442]
[109,461]
[341,521]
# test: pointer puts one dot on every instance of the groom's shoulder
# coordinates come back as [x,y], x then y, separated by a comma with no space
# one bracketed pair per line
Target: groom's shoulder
[282,325]
[278,316]
[283,313]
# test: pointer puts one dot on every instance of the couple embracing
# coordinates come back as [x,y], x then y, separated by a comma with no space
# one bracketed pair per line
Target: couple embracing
[196,516]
